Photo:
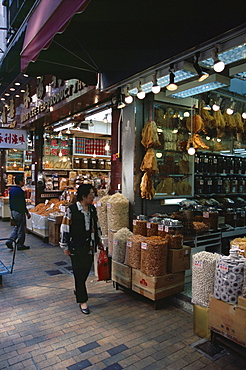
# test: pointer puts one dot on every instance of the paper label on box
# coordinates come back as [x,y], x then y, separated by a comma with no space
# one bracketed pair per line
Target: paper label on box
[223,267]
[144,245]
[134,222]
[148,225]
[160,227]
[198,264]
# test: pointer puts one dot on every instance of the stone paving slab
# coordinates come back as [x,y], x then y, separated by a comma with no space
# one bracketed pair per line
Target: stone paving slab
[41,326]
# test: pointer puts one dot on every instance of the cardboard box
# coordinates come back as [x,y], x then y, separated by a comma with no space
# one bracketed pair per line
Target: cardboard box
[157,287]
[200,321]
[54,232]
[241,302]
[178,259]
[121,274]
[228,320]
[111,241]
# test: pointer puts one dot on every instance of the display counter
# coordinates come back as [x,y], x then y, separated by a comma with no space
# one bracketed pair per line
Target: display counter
[4,208]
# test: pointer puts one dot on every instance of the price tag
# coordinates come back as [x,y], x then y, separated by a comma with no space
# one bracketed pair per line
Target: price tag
[144,245]
[198,264]
[134,222]
[46,202]
[233,246]
[205,214]
[129,244]
[160,227]
[148,225]
[115,242]
[223,267]
[99,204]
[166,229]
[108,205]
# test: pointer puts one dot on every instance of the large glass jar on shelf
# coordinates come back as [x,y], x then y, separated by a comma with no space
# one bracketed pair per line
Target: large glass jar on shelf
[57,152]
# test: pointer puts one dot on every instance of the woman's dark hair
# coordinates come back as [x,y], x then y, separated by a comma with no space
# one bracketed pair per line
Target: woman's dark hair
[83,190]
[18,179]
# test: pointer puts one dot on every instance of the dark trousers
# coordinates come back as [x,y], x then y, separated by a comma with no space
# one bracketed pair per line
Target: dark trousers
[81,264]
[19,231]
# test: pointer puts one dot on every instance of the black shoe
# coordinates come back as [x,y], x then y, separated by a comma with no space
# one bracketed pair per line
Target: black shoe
[23,247]
[9,244]
[86,311]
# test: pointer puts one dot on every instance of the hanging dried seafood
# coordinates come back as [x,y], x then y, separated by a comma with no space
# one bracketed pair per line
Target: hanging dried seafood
[149,162]
[229,120]
[197,142]
[238,122]
[146,186]
[209,121]
[195,123]
[150,135]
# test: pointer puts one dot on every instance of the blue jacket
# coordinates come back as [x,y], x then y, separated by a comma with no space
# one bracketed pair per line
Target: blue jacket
[17,201]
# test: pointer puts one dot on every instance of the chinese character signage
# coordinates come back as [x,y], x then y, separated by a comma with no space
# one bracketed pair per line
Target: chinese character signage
[13,139]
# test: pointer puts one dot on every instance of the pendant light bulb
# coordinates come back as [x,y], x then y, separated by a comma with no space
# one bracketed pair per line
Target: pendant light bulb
[191,150]
[215,107]
[229,111]
[128,97]
[155,88]
[219,66]
[244,115]
[141,94]
[172,86]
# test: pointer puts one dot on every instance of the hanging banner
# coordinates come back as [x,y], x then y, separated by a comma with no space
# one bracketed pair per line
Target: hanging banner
[13,139]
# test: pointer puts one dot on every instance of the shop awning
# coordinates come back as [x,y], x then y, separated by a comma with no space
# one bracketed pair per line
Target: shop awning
[48,19]
[119,38]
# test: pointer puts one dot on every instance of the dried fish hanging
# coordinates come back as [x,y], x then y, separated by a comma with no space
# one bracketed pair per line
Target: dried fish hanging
[149,140]
[195,124]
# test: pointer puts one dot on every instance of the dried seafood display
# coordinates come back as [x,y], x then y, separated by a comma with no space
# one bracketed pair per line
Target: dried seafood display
[133,251]
[118,212]
[154,256]
[149,163]
[102,214]
[150,137]
[146,186]
[119,244]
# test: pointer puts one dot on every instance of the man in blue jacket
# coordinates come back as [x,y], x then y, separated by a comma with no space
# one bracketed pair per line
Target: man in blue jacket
[17,203]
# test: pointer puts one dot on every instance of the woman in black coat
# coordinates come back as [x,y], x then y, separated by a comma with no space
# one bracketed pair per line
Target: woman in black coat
[80,237]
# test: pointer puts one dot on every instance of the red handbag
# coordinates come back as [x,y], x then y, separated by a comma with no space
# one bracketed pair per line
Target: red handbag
[103,266]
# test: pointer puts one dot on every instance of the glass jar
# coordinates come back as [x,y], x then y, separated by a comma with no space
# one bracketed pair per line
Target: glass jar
[92,164]
[199,185]
[208,185]
[205,164]
[211,218]
[231,217]
[238,165]
[221,165]
[226,186]
[212,163]
[197,164]
[84,163]
[234,185]
[174,234]
[241,185]
[218,185]
[240,222]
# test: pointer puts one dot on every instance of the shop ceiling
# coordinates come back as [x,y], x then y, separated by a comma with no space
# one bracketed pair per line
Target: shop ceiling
[123,38]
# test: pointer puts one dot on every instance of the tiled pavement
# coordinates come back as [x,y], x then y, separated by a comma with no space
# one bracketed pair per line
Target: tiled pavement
[41,326]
